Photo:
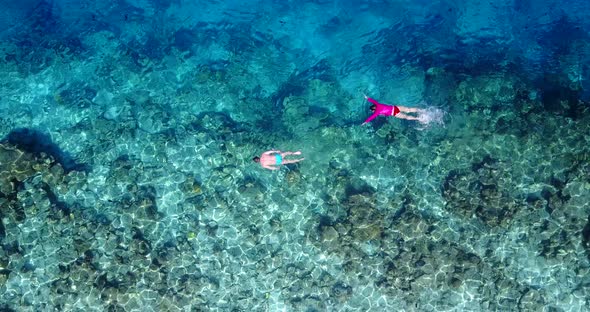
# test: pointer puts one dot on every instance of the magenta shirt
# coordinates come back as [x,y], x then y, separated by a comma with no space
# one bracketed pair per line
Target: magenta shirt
[382,109]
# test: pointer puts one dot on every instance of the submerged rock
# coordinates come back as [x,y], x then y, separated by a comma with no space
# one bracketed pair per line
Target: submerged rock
[483,192]
[15,166]
[30,183]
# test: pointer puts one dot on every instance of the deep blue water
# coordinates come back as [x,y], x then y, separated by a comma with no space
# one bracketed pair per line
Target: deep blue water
[128,130]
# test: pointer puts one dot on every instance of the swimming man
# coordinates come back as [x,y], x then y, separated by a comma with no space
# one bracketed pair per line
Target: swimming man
[274,159]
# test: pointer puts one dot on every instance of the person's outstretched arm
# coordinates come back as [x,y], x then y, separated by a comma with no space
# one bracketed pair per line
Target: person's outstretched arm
[372,100]
[270,152]
[375,114]
[371,118]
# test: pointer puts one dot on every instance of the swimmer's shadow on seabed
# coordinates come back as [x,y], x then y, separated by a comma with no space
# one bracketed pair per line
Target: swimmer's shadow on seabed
[36,142]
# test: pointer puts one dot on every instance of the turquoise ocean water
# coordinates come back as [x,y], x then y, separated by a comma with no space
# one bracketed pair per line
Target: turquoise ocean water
[128,129]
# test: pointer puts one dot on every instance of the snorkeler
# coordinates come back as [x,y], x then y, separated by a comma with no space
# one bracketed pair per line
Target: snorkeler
[393,110]
[274,159]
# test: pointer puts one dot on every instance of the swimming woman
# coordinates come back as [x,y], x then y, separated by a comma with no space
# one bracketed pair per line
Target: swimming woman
[398,111]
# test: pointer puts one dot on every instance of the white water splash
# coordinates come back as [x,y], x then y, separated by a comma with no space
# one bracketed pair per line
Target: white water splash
[431,116]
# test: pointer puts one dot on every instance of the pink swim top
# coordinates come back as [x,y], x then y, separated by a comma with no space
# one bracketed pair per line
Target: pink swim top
[382,109]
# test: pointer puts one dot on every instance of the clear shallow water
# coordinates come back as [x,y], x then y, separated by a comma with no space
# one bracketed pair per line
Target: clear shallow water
[128,129]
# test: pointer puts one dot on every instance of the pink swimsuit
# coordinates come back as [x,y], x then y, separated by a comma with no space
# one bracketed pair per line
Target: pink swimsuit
[382,109]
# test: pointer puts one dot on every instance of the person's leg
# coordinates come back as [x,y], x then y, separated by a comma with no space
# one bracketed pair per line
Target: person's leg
[292,161]
[406,116]
[405,109]
[290,153]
